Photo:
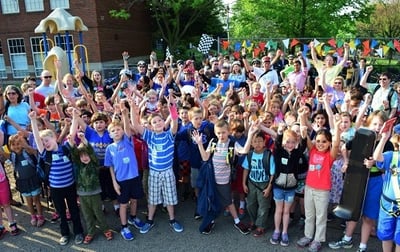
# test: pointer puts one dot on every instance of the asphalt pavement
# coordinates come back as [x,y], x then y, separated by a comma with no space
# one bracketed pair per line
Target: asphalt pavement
[162,238]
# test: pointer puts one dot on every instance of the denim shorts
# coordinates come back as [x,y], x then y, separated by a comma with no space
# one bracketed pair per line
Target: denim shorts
[34,193]
[284,195]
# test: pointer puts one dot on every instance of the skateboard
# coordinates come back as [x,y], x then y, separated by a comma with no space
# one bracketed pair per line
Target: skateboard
[356,178]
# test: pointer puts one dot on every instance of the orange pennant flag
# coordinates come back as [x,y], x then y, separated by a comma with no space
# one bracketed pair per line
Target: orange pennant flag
[396,45]
[366,51]
[225,44]
[236,55]
[340,51]
[366,45]
[294,42]
[332,42]
[262,45]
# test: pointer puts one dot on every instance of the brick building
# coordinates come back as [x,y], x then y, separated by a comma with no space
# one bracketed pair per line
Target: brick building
[106,38]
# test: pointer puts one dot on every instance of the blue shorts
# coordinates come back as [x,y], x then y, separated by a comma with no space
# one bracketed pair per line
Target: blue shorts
[130,189]
[372,197]
[34,193]
[284,195]
[388,227]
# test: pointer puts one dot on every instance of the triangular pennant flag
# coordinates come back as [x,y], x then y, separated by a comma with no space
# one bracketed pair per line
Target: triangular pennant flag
[380,52]
[352,45]
[237,46]
[262,46]
[390,44]
[332,42]
[236,54]
[248,44]
[374,43]
[318,49]
[294,42]
[327,48]
[396,45]
[244,44]
[316,42]
[340,51]
[357,42]
[305,50]
[366,44]
[286,43]
[340,43]
[225,44]
[269,44]
[256,52]
[274,45]
[366,51]
[385,49]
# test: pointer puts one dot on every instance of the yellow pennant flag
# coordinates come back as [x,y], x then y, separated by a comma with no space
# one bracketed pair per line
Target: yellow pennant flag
[352,44]
[385,49]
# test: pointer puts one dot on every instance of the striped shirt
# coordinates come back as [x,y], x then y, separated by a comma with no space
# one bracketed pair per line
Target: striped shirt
[161,149]
[61,173]
[222,168]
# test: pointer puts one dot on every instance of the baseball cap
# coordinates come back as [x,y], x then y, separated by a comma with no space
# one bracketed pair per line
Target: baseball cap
[256,61]
[266,58]
[141,63]
[236,62]
[213,59]
[126,72]
[290,56]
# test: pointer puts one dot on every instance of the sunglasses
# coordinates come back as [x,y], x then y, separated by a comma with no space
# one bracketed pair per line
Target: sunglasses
[382,79]
[47,77]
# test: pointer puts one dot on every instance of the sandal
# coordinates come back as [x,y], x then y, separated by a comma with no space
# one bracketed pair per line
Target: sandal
[88,239]
[109,235]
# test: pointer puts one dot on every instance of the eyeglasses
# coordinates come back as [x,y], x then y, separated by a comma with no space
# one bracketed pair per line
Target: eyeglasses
[382,78]
[47,77]
[11,93]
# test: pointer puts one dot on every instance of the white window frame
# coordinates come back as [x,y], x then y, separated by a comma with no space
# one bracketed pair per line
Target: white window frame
[10,6]
[63,4]
[18,59]
[34,5]
[3,71]
[37,55]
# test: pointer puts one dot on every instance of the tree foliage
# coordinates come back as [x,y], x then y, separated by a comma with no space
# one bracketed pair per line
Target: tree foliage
[384,21]
[178,20]
[296,18]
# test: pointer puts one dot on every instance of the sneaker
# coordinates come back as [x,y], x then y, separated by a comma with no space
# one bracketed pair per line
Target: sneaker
[54,217]
[197,216]
[64,240]
[146,227]
[285,240]
[315,246]
[361,249]
[40,220]
[209,228]
[241,213]
[341,244]
[136,222]
[14,230]
[242,228]
[127,234]
[275,238]
[304,242]
[259,232]
[33,220]
[78,239]
[176,226]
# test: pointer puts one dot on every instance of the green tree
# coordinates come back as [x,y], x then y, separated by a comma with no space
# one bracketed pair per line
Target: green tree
[296,18]
[178,20]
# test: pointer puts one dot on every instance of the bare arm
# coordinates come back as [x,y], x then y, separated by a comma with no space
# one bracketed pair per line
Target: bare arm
[378,153]
[134,118]
[35,131]
[364,78]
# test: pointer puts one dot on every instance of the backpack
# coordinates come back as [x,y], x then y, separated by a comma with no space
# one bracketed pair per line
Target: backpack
[231,158]
[389,97]
[45,161]
[265,160]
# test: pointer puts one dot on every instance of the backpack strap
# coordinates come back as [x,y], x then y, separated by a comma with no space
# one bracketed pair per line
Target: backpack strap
[265,160]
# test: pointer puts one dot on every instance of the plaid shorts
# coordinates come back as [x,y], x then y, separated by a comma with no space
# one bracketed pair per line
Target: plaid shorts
[162,188]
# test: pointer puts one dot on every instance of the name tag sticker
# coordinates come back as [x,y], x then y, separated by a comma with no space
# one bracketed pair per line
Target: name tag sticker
[284,161]
[24,162]
[55,157]
[125,160]
[66,159]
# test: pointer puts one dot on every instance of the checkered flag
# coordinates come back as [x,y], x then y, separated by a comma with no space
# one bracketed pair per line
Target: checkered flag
[205,43]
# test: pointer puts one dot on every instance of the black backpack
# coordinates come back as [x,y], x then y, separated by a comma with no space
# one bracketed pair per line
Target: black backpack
[232,158]
[265,160]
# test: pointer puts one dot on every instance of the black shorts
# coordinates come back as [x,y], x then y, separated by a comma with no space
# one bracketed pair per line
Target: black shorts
[130,189]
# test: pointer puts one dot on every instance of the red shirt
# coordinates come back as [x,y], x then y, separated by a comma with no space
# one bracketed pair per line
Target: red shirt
[258,98]
[319,170]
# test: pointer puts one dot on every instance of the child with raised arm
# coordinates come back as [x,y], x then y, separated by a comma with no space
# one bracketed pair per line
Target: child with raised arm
[219,152]
[121,159]
[61,180]
[87,183]
[162,185]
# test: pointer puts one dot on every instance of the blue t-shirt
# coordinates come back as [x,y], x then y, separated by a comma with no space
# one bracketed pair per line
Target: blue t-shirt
[99,143]
[61,172]
[121,156]
[161,149]
[257,172]
[19,114]
[182,145]
[225,85]
[387,189]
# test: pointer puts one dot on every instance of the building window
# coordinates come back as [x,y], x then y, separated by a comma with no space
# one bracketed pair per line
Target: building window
[37,54]
[19,62]
[34,5]
[63,4]
[10,6]
[3,73]
[61,41]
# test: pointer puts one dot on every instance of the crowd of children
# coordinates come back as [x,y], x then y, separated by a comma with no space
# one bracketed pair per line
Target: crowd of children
[266,142]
